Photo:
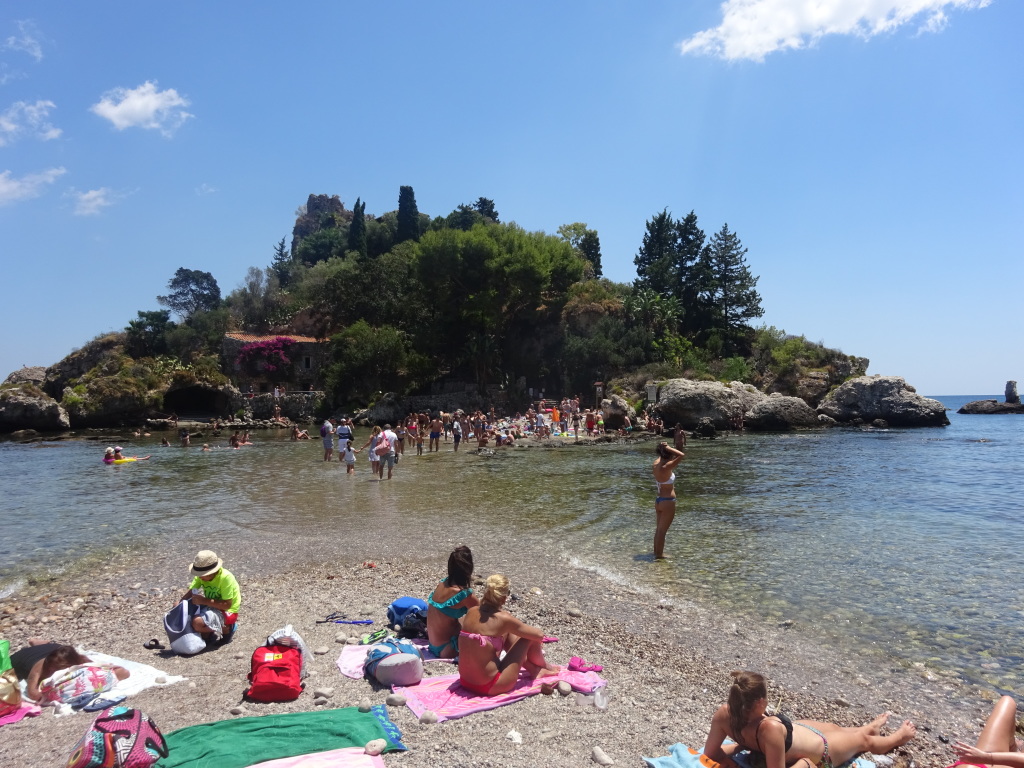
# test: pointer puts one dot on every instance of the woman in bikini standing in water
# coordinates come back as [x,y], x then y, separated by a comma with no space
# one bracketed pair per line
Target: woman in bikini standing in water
[486,631]
[811,745]
[665,503]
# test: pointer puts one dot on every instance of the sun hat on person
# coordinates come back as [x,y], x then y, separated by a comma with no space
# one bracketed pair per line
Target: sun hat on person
[118,449]
[109,451]
[206,562]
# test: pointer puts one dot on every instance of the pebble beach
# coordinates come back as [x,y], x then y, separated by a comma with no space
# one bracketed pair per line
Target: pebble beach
[666,663]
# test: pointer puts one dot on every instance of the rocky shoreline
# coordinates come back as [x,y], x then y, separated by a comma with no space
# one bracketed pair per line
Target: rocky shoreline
[667,663]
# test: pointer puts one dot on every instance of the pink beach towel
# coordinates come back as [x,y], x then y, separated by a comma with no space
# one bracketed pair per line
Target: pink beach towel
[349,757]
[350,662]
[450,701]
[25,710]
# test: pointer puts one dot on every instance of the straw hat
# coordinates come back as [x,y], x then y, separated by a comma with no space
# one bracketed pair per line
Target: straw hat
[109,451]
[206,562]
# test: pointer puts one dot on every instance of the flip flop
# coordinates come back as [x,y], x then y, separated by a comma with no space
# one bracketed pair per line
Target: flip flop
[549,639]
[578,664]
[153,645]
[375,637]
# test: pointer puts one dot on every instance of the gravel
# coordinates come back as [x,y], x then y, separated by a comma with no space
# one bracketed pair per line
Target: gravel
[667,669]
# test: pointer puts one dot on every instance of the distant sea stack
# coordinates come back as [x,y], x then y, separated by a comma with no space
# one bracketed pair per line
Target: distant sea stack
[1012,403]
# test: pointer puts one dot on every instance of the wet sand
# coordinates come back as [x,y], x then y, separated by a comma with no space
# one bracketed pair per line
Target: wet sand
[667,664]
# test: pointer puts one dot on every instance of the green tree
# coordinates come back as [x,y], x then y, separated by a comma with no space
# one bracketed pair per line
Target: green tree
[146,336]
[485,207]
[366,361]
[730,294]
[408,216]
[257,302]
[320,246]
[282,263]
[357,229]
[655,261]
[585,241]
[191,291]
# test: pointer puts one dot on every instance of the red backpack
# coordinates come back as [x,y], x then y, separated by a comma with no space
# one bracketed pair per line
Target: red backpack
[275,673]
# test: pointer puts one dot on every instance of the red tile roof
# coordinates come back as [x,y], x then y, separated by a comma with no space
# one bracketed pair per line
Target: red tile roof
[248,338]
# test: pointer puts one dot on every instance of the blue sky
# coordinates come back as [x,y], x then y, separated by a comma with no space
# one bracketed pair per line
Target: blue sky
[871,160]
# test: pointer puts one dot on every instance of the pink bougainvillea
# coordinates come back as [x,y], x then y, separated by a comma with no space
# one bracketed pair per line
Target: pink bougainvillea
[270,355]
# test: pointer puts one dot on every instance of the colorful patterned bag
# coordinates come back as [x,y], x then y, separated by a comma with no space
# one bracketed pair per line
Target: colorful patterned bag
[10,693]
[77,685]
[119,738]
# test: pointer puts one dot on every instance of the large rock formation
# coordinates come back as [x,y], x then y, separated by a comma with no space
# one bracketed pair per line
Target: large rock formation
[1012,404]
[867,398]
[25,406]
[33,374]
[686,402]
[1011,393]
[80,362]
[779,413]
[615,410]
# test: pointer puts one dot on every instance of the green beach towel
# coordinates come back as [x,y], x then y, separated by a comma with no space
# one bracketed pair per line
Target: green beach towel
[248,740]
[5,655]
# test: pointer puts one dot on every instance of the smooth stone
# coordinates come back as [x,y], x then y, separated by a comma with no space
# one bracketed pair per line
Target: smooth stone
[323,693]
[237,710]
[395,700]
[882,761]
[191,684]
[364,705]
[576,613]
[341,637]
[137,586]
[601,758]
[239,655]
[323,649]
[547,735]
[375,747]
[841,702]
[564,689]
[353,641]
[428,717]
[366,610]
[514,736]
[160,680]
[319,702]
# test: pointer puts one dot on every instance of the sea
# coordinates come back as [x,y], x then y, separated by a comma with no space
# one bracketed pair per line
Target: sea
[896,543]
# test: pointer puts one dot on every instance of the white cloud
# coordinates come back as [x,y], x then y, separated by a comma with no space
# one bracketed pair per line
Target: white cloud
[28,186]
[26,40]
[205,189]
[92,202]
[143,107]
[22,118]
[751,29]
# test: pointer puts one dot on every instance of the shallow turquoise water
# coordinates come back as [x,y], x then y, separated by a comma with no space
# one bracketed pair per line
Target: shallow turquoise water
[899,543]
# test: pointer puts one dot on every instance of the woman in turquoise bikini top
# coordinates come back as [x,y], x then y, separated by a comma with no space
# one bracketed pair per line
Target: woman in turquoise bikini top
[813,744]
[448,603]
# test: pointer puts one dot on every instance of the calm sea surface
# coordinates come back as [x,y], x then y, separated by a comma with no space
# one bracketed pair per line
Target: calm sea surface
[901,543]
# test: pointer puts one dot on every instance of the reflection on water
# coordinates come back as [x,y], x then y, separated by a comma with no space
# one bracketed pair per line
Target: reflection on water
[900,543]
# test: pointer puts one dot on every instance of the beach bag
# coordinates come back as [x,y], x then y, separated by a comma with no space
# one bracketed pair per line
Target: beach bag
[184,640]
[394,662]
[120,737]
[383,447]
[408,615]
[77,685]
[10,692]
[275,674]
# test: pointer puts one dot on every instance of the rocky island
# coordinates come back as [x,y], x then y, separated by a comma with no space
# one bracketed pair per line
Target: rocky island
[1011,404]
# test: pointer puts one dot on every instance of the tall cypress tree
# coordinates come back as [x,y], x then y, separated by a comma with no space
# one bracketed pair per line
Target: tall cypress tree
[654,260]
[729,294]
[590,248]
[408,216]
[357,229]
[690,278]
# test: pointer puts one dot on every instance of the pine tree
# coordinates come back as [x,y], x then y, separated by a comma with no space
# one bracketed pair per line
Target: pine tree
[654,261]
[485,207]
[357,229]
[590,249]
[729,293]
[690,278]
[408,216]
[282,263]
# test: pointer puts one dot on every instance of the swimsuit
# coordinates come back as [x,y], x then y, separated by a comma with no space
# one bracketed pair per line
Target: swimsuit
[657,484]
[448,608]
[826,759]
[483,690]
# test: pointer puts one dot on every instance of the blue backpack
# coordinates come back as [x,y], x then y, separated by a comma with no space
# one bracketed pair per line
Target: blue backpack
[408,615]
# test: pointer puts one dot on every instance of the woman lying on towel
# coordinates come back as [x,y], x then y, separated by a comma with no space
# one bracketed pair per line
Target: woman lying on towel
[785,742]
[448,603]
[996,744]
[487,630]
[40,660]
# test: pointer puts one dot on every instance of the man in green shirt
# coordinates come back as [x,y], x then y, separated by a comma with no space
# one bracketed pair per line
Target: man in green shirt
[215,590]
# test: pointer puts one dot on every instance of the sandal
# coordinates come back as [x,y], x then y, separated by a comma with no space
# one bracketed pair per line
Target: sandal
[375,637]
[578,664]
[153,645]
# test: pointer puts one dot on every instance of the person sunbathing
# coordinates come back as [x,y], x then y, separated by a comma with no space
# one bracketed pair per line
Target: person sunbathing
[36,662]
[487,630]
[448,603]
[996,745]
[785,742]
